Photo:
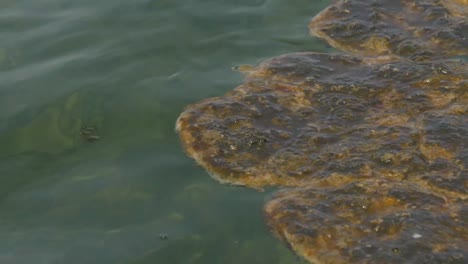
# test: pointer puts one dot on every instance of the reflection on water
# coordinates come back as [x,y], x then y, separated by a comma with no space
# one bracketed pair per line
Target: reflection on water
[127,69]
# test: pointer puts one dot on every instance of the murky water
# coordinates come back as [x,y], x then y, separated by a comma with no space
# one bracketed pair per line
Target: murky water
[127,69]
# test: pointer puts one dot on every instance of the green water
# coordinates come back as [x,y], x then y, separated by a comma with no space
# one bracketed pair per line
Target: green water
[128,68]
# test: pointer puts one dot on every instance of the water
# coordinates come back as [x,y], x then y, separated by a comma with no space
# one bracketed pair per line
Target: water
[127,69]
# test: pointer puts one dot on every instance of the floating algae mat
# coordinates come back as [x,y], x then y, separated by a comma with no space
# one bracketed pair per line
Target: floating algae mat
[407,28]
[371,151]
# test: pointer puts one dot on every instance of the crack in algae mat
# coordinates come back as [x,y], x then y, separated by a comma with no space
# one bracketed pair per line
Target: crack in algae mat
[369,146]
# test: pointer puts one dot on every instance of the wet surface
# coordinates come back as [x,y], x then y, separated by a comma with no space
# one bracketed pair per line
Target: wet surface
[417,29]
[371,222]
[374,146]
[327,119]
[121,72]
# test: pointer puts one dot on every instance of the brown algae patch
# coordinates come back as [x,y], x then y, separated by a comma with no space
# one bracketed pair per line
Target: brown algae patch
[369,222]
[339,123]
[373,150]
[402,27]
[340,118]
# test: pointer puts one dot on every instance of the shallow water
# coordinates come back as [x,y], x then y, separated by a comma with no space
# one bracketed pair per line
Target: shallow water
[128,68]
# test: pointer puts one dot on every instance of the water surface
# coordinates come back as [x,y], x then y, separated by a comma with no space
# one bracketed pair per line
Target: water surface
[128,68]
